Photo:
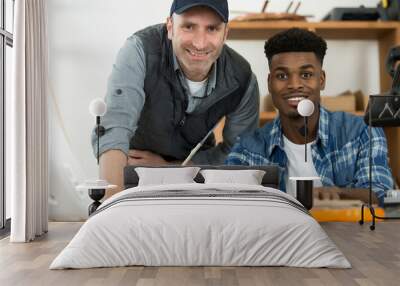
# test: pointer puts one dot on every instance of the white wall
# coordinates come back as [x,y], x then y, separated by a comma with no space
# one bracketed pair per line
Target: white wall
[85,36]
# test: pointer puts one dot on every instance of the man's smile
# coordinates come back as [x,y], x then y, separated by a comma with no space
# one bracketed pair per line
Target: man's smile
[293,101]
[198,55]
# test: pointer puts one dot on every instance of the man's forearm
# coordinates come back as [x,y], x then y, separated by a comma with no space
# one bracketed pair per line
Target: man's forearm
[344,194]
[112,164]
[357,194]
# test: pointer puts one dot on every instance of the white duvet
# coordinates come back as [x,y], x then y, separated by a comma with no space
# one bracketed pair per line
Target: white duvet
[206,230]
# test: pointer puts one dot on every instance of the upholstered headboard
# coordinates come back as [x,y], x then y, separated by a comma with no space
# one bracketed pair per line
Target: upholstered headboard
[270,179]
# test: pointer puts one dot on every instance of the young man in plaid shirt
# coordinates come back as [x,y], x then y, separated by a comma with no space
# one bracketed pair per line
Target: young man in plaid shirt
[338,142]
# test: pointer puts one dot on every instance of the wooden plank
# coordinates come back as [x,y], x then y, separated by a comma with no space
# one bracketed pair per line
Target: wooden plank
[266,116]
[329,29]
[374,255]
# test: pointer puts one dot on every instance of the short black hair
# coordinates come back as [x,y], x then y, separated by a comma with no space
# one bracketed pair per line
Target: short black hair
[295,40]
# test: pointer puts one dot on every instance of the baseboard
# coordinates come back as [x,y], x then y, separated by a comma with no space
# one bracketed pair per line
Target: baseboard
[5,231]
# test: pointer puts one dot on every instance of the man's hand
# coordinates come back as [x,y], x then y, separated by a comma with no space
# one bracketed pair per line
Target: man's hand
[327,193]
[145,158]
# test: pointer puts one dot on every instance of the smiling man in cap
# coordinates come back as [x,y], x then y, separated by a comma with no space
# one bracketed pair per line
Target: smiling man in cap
[171,83]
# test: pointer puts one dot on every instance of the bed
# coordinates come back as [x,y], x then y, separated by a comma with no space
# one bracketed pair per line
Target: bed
[201,223]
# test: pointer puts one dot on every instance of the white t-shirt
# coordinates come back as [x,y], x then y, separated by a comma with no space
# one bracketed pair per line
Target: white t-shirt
[197,91]
[296,166]
[197,88]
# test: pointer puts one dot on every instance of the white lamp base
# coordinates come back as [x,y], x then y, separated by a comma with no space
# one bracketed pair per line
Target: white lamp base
[96,184]
[304,178]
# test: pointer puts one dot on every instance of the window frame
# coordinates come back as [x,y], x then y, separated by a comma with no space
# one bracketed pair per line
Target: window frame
[6,39]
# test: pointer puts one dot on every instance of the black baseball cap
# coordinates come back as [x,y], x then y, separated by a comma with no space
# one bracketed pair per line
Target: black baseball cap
[219,6]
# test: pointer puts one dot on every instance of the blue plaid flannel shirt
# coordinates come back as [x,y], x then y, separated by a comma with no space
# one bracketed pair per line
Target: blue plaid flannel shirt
[340,153]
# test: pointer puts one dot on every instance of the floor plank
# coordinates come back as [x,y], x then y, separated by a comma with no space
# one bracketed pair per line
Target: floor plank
[374,255]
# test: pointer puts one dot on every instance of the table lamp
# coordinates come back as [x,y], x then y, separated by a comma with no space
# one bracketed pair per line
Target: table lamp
[304,185]
[97,187]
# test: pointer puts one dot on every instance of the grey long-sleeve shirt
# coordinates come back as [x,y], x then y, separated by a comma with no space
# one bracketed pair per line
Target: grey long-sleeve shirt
[124,108]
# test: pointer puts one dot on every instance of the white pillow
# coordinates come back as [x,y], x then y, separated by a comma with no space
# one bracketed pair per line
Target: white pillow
[248,177]
[163,176]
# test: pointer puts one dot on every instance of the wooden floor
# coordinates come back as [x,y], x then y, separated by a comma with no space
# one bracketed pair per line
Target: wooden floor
[375,256]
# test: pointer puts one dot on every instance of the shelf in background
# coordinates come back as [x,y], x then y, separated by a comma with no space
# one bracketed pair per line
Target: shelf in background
[266,116]
[330,29]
